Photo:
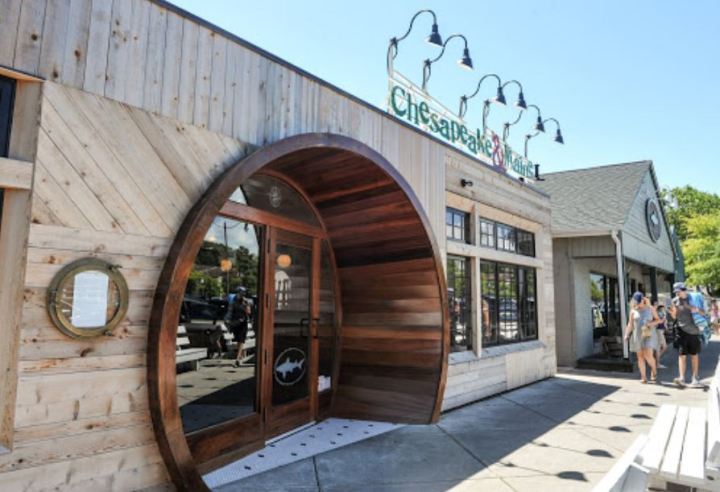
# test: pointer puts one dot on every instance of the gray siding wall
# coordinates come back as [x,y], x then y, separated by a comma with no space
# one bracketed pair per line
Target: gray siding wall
[574,260]
[637,244]
[564,307]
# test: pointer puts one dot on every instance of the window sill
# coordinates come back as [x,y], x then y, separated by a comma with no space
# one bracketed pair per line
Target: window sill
[494,351]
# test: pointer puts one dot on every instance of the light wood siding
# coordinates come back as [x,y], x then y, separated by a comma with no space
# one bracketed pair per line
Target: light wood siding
[82,404]
[637,244]
[125,149]
[486,371]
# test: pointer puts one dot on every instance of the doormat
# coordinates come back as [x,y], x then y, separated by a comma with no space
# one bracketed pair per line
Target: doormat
[298,445]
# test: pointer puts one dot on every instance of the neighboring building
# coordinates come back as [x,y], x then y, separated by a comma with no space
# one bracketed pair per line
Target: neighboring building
[607,224]
[193,163]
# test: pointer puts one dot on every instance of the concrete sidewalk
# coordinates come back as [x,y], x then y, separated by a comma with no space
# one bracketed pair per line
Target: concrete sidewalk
[561,434]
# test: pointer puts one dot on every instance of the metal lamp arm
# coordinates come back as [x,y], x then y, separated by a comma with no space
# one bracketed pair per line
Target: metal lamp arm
[513,82]
[527,139]
[536,109]
[507,125]
[427,70]
[392,47]
[464,99]
[557,123]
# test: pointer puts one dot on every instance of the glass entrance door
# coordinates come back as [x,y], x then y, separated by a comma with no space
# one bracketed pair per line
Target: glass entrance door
[294,359]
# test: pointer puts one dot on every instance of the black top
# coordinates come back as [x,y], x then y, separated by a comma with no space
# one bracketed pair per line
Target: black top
[684,316]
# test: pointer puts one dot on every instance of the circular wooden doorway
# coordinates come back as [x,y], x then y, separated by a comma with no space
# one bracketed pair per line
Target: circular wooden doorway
[392,326]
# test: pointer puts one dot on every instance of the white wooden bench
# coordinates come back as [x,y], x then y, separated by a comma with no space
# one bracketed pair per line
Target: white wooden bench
[626,475]
[684,443]
[185,353]
[683,447]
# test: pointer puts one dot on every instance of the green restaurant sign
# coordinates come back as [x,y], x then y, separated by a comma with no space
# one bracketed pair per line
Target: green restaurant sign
[408,102]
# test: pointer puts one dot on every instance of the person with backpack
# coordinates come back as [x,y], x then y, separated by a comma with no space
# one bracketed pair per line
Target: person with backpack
[687,339]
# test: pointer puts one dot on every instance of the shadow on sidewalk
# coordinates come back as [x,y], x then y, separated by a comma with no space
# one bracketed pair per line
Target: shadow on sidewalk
[461,447]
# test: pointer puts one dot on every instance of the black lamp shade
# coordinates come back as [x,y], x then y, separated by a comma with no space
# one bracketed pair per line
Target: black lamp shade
[521,101]
[466,61]
[500,98]
[435,37]
[539,126]
[559,137]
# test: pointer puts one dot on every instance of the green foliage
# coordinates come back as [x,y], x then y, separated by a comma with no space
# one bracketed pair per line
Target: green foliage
[596,293]
[702,250]
[202,284]
[682,203]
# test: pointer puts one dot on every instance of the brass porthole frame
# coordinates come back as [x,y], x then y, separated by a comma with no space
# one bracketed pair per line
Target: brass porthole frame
[67,273]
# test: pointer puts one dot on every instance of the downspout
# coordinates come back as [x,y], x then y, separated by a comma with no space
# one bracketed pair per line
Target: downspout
[621,288]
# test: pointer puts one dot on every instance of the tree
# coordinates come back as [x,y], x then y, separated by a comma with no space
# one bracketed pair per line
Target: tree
[684,202]
[702,250]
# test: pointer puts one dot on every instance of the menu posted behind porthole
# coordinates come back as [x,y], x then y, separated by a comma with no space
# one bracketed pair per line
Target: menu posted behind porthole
[90,299]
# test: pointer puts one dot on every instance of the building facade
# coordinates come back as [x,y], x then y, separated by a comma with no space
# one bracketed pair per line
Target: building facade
[608,224]
[203,197]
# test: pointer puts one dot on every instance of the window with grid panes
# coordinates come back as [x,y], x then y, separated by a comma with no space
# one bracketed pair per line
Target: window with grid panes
[525,242]
[487,233]
[457,225]
[459,303]
[509,305]
[506,238]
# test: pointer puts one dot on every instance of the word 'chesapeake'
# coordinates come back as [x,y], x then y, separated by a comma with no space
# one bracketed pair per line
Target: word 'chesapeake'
[404,105]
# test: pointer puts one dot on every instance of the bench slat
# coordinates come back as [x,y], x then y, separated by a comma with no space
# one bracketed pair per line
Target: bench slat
[671,460]
[652,455]
[181,330]
[188,355]
[182,341]
[615,479]
[692,465]
[713,421]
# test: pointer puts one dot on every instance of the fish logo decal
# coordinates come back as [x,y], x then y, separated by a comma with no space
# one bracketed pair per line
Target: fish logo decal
[290,366]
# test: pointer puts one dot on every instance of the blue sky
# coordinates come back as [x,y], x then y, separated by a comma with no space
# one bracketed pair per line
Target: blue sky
[628,80]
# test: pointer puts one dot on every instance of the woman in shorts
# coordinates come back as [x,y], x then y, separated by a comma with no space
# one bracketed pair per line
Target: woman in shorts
[641,333]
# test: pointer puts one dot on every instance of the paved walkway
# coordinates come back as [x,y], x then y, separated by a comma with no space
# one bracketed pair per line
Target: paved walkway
[561,434]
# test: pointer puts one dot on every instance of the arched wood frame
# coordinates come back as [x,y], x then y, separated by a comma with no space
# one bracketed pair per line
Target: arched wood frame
[164,408]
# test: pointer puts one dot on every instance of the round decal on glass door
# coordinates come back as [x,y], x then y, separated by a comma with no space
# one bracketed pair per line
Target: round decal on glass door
[290,366]
[275,196]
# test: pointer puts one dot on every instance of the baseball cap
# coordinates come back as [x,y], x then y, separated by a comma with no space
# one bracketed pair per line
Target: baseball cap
[678,286]
[638,297]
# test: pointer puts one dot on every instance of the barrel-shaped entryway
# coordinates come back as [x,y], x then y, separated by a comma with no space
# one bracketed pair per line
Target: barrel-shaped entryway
[392,327]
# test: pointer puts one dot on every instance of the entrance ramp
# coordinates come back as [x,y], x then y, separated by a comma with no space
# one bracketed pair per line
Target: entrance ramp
[297,445]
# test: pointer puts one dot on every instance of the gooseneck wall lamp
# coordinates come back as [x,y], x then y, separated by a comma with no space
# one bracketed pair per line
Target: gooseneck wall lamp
[539,126]
[433,38]
[465,99]
[520,103]
[558,134]
[465,61]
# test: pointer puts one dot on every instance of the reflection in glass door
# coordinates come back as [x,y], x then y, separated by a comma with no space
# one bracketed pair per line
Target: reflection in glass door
[292,356]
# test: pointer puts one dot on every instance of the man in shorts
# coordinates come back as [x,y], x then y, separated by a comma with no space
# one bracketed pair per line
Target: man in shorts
[687,334]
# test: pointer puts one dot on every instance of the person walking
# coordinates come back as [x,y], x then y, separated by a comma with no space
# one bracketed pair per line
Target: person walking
[238,319]
[715,316]
[643,337]
[687,338]
[661,332]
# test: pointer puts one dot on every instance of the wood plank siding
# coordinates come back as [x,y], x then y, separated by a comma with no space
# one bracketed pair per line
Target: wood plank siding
[143,108]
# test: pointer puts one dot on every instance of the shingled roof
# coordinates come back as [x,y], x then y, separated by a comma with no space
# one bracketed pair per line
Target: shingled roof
[593,199]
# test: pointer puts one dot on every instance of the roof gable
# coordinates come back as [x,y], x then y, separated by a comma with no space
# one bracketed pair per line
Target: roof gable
[593,199]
